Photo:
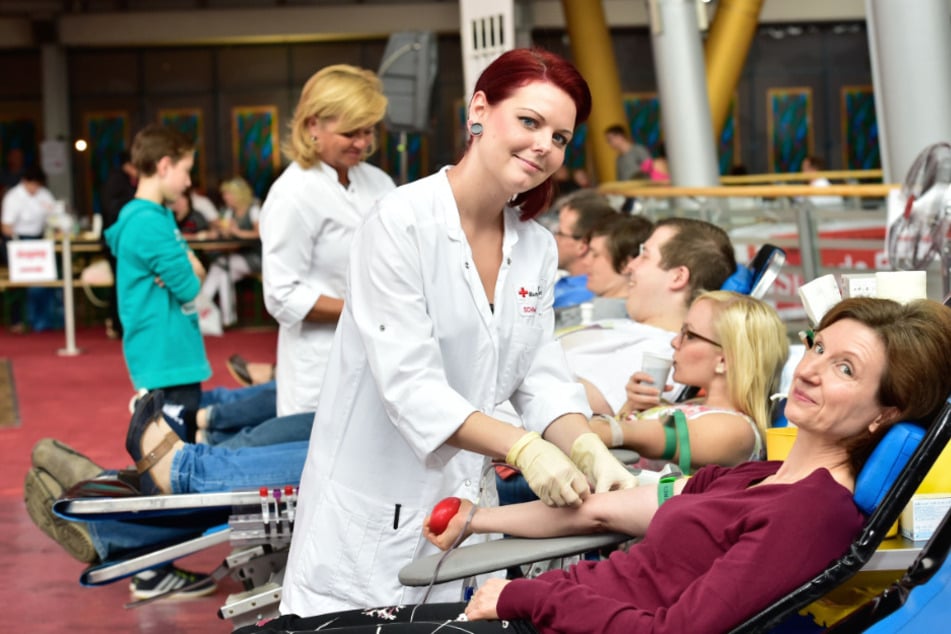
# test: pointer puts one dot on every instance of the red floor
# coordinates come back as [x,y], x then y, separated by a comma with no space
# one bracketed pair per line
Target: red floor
[83,400]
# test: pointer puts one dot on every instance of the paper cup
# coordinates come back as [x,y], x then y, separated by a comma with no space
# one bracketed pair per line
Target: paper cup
[658,366]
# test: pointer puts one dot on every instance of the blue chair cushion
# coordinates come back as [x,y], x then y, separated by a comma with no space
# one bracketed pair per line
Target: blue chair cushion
[741,281]
[885,463]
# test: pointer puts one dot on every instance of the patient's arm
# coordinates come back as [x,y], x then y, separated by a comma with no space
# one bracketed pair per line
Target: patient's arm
[599,404]
[628,511]
[715,438]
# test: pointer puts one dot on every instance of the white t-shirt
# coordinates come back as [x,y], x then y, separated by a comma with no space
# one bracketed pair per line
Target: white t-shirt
[27,213]
[608,352]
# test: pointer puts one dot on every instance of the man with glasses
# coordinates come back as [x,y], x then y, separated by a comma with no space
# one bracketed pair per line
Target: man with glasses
[578,214]
[682,258]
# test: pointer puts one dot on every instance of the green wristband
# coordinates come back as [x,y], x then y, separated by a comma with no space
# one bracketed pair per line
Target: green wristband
[683,441]
[665,489]
[670,441]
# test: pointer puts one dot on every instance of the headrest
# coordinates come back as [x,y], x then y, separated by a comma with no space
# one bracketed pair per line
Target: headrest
[741,281]
[885,463]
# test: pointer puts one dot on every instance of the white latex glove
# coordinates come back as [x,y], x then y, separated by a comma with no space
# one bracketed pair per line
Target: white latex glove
[548,471]
[600,466]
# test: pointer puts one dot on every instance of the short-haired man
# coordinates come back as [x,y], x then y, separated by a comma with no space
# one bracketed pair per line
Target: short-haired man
[682,258]
[612,244]
[630,155]
[577,215]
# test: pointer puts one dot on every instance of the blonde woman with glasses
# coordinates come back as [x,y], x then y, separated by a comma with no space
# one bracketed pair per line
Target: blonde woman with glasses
[731,346]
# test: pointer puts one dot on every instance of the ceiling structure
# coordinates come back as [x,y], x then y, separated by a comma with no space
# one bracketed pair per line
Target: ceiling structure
[28,23]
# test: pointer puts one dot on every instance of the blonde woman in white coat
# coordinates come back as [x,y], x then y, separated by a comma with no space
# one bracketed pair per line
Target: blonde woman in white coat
[448,313]
[308,220]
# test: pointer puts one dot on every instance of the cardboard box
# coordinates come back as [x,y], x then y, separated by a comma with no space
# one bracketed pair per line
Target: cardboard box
[923,514]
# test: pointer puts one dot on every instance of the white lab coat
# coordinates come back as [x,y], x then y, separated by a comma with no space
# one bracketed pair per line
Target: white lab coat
[417,350]
[307,223]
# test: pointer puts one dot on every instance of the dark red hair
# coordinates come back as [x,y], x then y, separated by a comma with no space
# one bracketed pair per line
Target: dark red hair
[512,70]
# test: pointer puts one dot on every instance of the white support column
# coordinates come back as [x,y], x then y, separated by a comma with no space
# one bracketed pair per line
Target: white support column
[910,46]
[487,29]
[682,88]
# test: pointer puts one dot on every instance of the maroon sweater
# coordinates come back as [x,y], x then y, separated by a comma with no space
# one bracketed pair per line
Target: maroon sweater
[707,561]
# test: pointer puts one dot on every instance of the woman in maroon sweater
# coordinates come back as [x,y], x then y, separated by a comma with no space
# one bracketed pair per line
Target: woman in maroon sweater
[731,540]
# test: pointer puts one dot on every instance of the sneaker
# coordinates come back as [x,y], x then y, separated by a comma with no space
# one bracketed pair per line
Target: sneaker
[150,583]
[40,491]
[67,466]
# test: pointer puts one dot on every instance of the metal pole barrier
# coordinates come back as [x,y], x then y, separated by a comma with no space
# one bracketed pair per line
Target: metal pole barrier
[69,315]
[808,248]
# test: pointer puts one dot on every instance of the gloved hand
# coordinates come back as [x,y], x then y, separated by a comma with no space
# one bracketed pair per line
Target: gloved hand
[599,465]
[548,471]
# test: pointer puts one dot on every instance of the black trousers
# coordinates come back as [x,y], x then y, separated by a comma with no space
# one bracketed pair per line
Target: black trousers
[406,619]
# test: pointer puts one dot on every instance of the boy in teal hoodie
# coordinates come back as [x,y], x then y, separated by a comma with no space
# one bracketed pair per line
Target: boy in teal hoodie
[158,274]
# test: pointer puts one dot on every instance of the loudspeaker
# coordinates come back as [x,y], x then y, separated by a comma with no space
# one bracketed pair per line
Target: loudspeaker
[408,71]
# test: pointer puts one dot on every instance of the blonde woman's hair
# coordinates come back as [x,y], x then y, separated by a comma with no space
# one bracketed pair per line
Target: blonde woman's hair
[352,96]
[756,347]
[239,188]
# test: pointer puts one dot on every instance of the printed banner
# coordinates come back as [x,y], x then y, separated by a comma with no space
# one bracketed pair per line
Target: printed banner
[31,260]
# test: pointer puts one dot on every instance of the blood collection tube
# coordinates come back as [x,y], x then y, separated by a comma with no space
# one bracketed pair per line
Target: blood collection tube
[277,510]
[290,500]
[265,510]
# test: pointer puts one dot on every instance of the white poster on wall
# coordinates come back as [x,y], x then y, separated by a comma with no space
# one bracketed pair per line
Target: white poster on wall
[53,157]
[31,260]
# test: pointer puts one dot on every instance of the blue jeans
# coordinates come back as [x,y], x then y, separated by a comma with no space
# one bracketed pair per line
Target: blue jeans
[232,410]
[202,469]
[227,400]
[208,469]
[246,417]
[115,539]
[44,308]
[274,431]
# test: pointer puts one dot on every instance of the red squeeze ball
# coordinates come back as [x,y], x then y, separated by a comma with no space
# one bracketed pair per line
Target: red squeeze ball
[443,512]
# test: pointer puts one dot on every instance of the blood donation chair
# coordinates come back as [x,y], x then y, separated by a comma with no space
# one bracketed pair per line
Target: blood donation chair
[918,602]
[257,524]
[888,480]
[756,279]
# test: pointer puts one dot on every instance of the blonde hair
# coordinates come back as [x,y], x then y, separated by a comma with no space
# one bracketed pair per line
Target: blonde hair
[239,188]
[352,96]
[755,344]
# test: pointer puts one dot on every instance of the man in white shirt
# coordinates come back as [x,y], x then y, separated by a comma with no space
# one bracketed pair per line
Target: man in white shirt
[27,206]
[814,164]
[25,210]
[682,258]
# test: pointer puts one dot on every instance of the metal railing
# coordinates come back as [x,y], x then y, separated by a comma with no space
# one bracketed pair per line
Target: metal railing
[837,229]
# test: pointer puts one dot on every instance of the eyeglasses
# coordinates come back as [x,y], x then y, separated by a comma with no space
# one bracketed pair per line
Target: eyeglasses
[688,335]
[562,234]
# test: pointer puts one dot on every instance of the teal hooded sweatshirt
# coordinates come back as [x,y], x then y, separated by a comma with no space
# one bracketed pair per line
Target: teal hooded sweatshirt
[161,341]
